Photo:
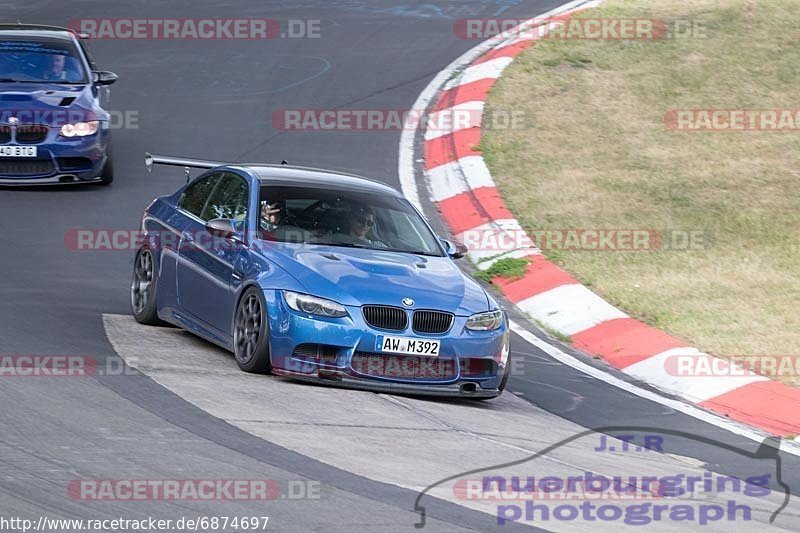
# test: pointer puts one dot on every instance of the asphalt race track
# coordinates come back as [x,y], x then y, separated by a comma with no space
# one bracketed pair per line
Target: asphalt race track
[186,412]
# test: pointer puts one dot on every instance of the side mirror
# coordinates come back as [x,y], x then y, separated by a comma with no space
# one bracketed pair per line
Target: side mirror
[104,77]
[454,250]
[223,227]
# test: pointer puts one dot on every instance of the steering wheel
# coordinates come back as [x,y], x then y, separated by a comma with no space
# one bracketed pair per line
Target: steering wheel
[313,206]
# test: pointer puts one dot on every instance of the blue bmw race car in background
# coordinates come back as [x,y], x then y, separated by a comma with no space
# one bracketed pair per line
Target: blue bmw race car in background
[319,276]
[54,127]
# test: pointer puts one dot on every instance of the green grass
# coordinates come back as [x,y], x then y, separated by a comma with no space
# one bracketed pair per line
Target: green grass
[597,154]
[566,339]
[509,268]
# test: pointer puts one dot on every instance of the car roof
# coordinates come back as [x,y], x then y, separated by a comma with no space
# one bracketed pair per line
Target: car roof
[318,178]
[36,30]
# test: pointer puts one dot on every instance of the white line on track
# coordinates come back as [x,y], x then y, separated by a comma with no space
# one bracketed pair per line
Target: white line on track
[405,441]
[406,152]
[614,381]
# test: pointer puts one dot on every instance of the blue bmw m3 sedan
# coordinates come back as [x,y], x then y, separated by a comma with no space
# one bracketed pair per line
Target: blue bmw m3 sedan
[317,275]
[54,127]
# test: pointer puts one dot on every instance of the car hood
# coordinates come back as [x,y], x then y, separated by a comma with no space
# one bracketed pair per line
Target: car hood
[52,104]
[354,276]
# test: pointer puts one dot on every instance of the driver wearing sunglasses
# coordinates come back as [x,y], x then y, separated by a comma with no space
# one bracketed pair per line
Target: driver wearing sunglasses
[361,222]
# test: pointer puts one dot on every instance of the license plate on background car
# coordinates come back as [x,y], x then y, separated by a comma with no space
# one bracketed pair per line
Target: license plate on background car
[17,151]
[407,345]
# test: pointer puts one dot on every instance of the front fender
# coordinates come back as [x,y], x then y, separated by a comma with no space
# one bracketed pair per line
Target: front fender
[267,276]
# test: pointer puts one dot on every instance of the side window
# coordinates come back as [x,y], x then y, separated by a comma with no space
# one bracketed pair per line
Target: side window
[195,196]
[229,199]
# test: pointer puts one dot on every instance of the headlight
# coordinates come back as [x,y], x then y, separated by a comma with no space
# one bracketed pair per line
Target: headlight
[312,305]
[485,321]
[80,129]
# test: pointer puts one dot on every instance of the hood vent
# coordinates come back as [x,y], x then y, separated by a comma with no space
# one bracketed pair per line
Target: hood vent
[67,101]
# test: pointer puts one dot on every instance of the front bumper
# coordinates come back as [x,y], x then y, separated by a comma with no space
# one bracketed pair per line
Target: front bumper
[56,179]
[343,379]
[475,361]
[60,161]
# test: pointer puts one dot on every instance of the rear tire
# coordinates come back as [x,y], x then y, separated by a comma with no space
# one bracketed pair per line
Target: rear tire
[251,333]
[143,289]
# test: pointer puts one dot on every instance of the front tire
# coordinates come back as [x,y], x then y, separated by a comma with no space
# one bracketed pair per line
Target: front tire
[143,289]
[251,333]
[506,374]
[107,174]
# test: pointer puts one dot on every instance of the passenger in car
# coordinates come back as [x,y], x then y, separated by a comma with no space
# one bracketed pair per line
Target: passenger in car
[272,224]
[270,215]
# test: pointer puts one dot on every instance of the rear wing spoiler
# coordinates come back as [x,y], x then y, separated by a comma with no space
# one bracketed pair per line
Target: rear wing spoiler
[187,164]
[39,27]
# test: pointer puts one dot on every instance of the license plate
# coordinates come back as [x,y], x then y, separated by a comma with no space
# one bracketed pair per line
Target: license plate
[406,345]
[17,151]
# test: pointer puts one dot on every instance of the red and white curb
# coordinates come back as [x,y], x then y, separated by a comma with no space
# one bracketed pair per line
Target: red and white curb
[461,187]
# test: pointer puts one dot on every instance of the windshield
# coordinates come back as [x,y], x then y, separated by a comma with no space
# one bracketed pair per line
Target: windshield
[343,218]
[39,61]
